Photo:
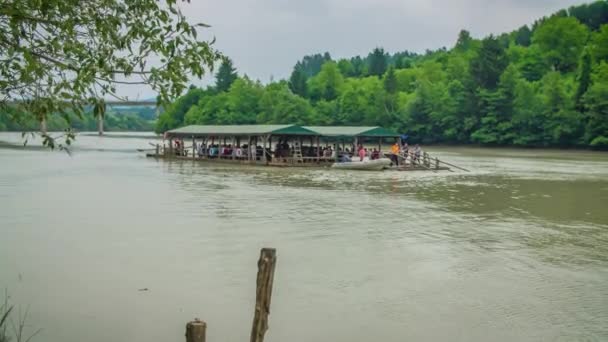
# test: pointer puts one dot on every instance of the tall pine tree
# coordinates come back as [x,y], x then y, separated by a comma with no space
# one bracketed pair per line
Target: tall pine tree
[489,64]
[297,82]
[390,81]
[377,62]
[583,78]
[225,75]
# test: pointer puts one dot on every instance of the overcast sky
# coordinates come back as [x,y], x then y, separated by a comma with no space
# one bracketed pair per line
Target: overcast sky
[265,38]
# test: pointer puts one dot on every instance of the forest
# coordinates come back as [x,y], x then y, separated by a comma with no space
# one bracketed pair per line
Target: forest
[544,84]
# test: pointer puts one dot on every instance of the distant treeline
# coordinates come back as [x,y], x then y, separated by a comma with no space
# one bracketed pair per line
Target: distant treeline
[541,85]
[116,119]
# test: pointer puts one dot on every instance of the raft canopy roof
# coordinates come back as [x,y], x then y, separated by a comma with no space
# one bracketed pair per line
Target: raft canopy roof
[238,130]
[352,131]
[255,130]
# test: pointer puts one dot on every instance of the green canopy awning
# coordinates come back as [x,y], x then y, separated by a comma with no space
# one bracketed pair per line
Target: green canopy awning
[194,131]
[352,131]
[237,130]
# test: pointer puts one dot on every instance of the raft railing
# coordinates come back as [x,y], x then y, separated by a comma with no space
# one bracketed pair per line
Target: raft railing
[428,162]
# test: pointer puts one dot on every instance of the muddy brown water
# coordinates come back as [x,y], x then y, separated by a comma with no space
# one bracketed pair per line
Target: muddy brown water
[516,249]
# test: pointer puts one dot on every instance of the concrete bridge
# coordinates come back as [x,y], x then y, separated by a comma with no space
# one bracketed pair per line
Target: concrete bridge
[145,103]
[100,130]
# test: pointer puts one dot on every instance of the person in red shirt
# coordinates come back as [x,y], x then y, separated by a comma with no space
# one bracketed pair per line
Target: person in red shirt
[361,153]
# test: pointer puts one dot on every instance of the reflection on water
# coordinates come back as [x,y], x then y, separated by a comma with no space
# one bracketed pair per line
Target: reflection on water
[517,249]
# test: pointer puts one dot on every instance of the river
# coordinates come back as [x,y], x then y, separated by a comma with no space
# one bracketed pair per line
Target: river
[515,250]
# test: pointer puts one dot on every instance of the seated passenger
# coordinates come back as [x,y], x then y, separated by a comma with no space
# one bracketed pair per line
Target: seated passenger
[344,158]
[375,154]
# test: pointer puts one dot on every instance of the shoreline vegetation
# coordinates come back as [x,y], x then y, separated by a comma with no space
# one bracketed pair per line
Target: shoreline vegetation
[542,85]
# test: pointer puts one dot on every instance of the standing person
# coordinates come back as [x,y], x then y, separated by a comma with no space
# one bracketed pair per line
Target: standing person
[362,153]
[417,151]
[395,153]
[178,148]
[201,150]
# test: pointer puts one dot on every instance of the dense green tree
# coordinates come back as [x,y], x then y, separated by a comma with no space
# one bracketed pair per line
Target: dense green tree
[457,67]
[358,101]
[279,105]
[390,81]
[58,56]
[421,113]
[523,36]
[528,117]
[226,74]
[561,41]
[596,103]
[359,67]
[593,14]
[243,101]
[454,122]
[399,62]
[497,91]
[311,65]
[532,65]
[297,82]
[464,41]
[561,124]
[325,113]
[583,78]
[600,44]
[346,68]
[174,115]
[497,106]
[327,84]
[489,63]
[377,62]
[406,79]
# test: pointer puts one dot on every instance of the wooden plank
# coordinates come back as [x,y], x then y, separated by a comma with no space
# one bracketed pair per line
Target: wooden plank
[263,293]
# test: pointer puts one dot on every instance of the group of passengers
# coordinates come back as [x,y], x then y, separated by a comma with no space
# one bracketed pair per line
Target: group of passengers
[404,152]
[363,153]
[284,150]
[228,151]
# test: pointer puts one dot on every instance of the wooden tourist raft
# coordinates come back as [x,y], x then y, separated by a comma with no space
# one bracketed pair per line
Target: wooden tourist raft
[286,146]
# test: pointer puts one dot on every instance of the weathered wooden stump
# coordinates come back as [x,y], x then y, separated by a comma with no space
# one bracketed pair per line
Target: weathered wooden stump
[263,293]
[196,331]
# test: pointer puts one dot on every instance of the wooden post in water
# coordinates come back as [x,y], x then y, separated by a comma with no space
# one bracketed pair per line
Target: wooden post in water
[196,331]
[263,293]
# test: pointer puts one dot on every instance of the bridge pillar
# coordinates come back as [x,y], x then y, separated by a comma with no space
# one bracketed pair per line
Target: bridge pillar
[43,127]
[100,124]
